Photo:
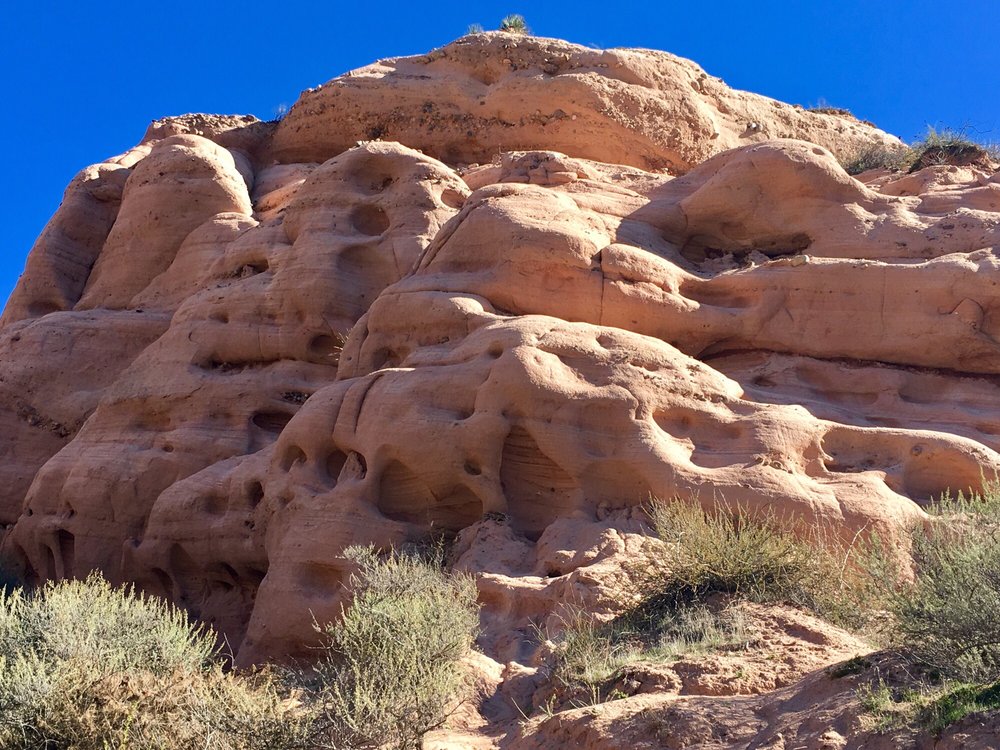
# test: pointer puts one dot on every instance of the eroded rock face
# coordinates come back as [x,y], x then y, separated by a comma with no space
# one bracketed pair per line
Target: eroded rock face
[489,93]
[257,310]
[534,346]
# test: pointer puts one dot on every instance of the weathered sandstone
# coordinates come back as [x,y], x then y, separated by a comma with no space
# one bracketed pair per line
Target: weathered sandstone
[488,93]
[241,347]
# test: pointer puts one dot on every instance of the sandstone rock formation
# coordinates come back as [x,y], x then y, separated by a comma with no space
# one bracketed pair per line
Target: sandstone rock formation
[532,346]
[490,93]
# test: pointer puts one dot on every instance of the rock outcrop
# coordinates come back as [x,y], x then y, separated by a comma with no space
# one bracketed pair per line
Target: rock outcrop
[242,347]
[490,93]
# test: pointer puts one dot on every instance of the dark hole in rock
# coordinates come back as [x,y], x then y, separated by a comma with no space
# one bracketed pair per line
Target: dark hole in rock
[293,455]
[335,464]
[325,346]
[67,547]
[370,220]
[255,493]
[271,421]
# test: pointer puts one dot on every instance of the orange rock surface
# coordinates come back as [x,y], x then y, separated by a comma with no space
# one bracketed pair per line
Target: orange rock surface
[659,286]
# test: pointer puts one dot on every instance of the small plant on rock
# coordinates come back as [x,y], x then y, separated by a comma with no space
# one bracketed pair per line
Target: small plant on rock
[951,147]
[514,24]
[878,156]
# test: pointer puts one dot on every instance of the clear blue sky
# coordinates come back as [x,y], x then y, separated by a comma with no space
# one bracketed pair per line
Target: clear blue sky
[83,80]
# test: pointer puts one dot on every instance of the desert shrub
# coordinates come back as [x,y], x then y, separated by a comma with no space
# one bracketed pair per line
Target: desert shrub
[764,558]
[877,156]
[727,552]
[392,667]
[687,597]
[84,665]
[948,618]
[949,146]
[937,147]
[514,24]
[475,28]
[945,620]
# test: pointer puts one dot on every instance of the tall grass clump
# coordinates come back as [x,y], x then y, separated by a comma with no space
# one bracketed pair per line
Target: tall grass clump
[764,558]
[950,146]
[392,669]
[514,24]
[85,665]
[937,147]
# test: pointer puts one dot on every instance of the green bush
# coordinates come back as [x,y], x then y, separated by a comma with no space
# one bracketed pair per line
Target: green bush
[392,669]
[514,24]
[764,558]
[948,619]
[83,665]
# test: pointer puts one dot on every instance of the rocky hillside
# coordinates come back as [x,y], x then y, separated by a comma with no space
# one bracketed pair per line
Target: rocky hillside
[509,289]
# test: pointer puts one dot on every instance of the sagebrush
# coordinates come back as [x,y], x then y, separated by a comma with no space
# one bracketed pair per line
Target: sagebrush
[948,618]
[85,665]
[392,669]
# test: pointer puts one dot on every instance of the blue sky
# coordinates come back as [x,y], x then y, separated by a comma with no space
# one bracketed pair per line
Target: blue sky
[83,80]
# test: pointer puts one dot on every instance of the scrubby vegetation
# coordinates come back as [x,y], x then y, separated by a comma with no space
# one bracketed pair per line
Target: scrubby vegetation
[946,620]
[936,148]
[761,558]
[823,108]
[688,595]
[590,653]
[514,24]
[950,147]
[84,665]
[878,156]
[929,707]
[392,670]
[949,617]
[937,617]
